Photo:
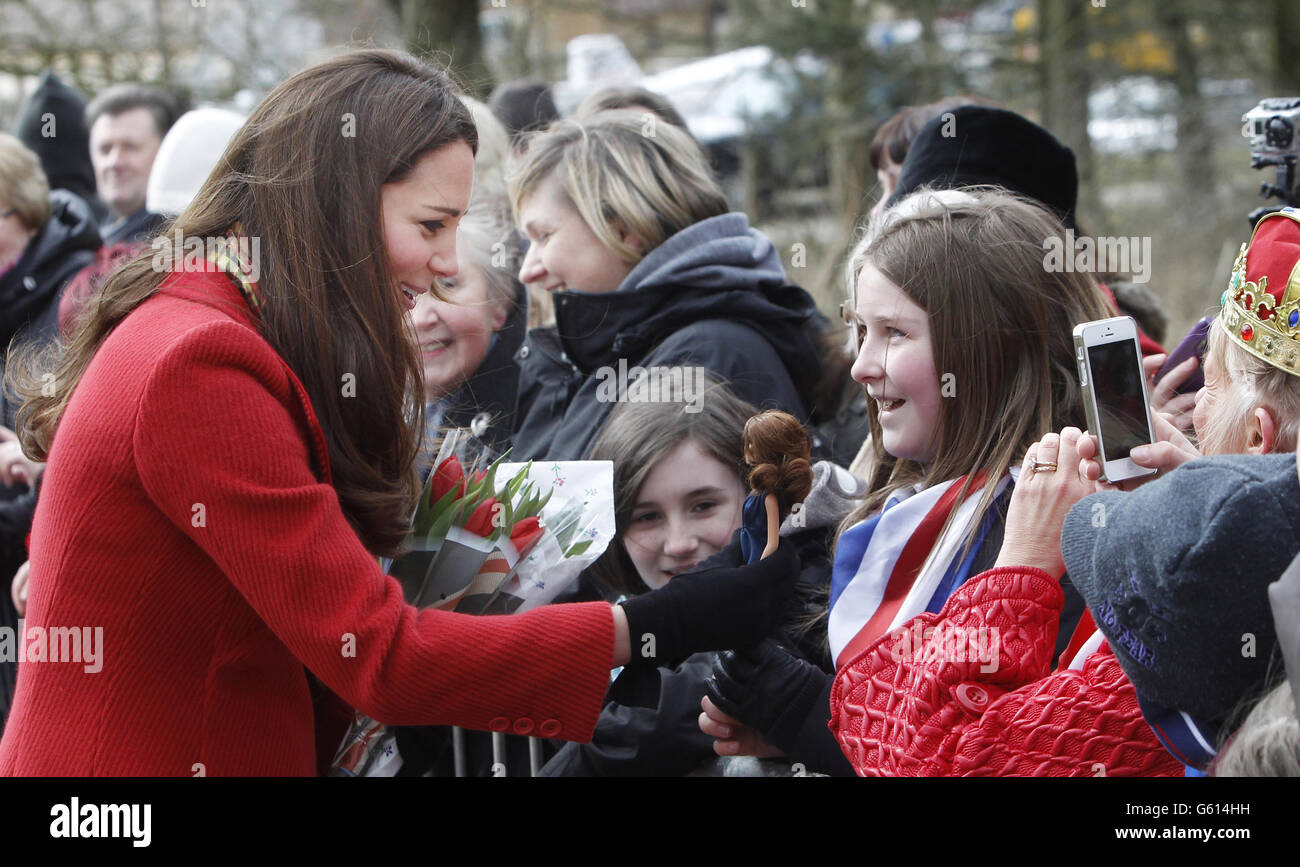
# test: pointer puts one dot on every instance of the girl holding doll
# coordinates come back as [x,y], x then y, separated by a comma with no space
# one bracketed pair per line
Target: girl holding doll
[679,485]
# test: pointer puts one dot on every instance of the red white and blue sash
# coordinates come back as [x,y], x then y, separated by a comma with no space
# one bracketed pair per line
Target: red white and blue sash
[893,566]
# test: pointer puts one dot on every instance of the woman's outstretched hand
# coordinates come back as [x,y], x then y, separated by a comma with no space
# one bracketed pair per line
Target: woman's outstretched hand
[1050,483]
[710,609]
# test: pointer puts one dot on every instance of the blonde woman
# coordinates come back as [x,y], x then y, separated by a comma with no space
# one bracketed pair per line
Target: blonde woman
[45,238]
[632,238]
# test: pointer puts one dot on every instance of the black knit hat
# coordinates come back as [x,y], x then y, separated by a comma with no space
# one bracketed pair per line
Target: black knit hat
[63,145]
[974,145]
[522,107]
[1176,576]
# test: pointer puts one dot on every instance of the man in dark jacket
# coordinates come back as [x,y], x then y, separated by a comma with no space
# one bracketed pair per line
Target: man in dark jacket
[714,296]
[127,124]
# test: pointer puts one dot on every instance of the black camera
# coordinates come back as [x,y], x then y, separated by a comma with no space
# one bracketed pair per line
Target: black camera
[1273,128]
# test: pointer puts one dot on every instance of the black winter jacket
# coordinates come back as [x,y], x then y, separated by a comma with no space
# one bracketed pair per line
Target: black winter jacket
[713,296]
[649,726]
[30,290]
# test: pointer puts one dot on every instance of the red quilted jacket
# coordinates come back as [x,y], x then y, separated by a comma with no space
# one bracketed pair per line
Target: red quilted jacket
[921,714]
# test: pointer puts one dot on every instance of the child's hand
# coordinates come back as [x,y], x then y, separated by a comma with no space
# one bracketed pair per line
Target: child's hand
[1170,451]
[732,737]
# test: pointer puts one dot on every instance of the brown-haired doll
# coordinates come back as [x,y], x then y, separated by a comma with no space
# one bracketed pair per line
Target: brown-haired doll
[777,449]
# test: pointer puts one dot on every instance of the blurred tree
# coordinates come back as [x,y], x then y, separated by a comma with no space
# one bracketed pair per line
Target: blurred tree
[450,27]
[207,49]
[1066,81]
[1195,141]
[829,128]
[1283,18]
[932,60]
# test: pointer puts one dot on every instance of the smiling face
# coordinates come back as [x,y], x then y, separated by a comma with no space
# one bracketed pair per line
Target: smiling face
[686,511]
[454,335]
[122,150]
[564,252]
[420,214]
[896,364]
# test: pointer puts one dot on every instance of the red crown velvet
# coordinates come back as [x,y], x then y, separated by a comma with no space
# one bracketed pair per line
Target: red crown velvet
[1261,306]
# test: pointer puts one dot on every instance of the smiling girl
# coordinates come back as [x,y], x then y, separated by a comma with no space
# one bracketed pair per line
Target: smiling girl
[678,486]
[965,351]
[679,483]
[964,347]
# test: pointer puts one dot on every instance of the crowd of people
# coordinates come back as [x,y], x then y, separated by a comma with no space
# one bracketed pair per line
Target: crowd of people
[953,589]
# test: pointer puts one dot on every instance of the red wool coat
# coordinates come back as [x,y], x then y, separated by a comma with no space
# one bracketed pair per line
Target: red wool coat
[931,716]
[187,510]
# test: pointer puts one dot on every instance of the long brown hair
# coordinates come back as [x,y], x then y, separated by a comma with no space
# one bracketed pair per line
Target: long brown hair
[780,449]
[1001,328]
[305,175]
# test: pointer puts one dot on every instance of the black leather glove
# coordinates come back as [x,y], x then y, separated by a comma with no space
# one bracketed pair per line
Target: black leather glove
[785,698]
[711,609]
[765,685]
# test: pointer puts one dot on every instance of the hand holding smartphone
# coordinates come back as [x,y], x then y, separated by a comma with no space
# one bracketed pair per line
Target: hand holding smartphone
[1114,393]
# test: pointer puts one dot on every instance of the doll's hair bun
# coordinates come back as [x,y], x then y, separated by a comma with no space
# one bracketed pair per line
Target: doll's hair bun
[781,450]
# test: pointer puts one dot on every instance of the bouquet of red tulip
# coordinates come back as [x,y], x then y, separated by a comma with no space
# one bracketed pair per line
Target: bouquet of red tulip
[478,545]
[482,546]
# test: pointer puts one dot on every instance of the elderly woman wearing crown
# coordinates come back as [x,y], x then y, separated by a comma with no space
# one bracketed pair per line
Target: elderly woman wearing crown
[1133,557]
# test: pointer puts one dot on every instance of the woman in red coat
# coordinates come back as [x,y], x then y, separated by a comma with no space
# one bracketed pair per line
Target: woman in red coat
[229,448]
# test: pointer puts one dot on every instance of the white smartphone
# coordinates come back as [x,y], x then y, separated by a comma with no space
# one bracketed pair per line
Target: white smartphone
[1114,393]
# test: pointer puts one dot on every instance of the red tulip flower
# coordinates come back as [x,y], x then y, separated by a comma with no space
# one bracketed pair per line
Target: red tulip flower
[525,533]
[447,476]
[480,522]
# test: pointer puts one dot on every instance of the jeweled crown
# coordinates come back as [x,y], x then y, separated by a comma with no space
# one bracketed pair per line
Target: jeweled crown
[1261,306]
